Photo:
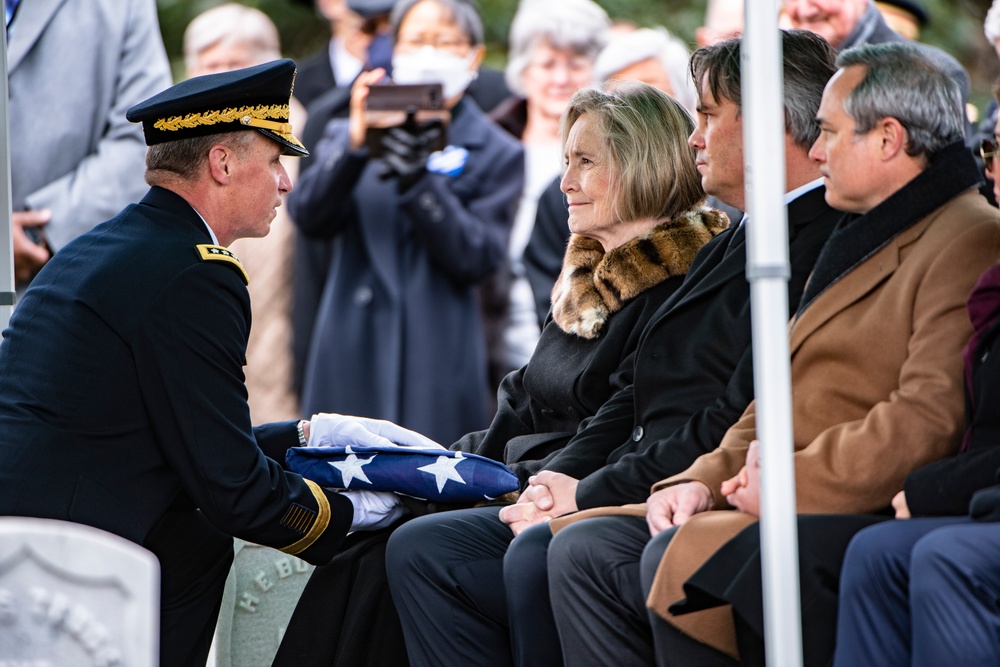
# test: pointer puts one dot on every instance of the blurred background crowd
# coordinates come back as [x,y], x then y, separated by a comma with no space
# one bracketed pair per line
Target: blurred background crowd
[955,26]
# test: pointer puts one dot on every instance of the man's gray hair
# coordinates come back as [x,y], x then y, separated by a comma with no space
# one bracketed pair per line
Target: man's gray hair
[629,48]
[807,65]
[463,13]
[580,26]
[902,83]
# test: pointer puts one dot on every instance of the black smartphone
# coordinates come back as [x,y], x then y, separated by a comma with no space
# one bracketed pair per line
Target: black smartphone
[389,104]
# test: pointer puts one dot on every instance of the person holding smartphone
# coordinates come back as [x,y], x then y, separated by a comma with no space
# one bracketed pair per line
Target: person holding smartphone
[398,333]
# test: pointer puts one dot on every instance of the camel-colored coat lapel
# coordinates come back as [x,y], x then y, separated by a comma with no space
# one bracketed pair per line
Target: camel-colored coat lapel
[852,288]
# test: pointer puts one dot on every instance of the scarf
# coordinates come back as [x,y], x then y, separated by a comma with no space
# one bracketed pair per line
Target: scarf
[593,284]
[951,172]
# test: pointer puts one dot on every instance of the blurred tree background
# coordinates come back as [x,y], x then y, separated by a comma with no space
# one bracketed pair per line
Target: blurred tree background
[955,26]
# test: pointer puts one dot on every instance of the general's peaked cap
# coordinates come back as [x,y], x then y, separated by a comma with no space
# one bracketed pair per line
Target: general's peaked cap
[254,98]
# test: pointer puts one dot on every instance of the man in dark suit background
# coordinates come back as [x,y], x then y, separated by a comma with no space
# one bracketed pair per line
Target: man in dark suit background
[122,403]
[355,27]
[691,375]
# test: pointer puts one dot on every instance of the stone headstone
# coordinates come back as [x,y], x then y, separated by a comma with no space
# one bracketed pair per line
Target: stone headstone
[75,595]
[263,588]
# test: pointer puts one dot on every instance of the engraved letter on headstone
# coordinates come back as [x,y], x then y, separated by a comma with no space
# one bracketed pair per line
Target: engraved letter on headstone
[261,593]
[75,595]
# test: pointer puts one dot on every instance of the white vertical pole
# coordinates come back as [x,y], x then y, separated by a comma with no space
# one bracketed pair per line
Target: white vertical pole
[768,272]
[6,225]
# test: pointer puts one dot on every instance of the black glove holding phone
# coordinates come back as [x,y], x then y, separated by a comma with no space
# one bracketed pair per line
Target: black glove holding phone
[405,149]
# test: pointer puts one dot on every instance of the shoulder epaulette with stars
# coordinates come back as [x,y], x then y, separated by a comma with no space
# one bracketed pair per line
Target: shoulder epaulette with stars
[209,252]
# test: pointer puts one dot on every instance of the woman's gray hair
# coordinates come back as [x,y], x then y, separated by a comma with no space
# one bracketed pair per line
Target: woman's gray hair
[652,170]
[580,26]
[807,65]
[231,24]
[629,48]
[901,82]
[991,27]
[463,13]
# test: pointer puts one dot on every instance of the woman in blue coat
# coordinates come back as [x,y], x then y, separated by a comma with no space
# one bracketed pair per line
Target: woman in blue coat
[398,333]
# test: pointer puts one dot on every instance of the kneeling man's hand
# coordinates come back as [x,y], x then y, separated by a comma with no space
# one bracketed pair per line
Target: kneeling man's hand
[329,429]
[374,509]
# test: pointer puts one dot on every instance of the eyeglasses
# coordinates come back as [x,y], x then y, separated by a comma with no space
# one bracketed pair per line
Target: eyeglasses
[988,150]
[442,43]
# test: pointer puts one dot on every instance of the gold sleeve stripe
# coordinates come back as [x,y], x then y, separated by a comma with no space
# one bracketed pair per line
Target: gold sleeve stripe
[298,518]
[231,115]
[319,525]
[207,251]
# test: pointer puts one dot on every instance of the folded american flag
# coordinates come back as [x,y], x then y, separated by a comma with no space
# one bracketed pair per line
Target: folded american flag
[439,475]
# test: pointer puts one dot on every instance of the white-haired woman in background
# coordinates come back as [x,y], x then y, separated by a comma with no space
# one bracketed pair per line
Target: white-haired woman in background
[650,55]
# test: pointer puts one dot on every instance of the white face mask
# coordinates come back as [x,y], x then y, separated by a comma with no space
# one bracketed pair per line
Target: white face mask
[430,65]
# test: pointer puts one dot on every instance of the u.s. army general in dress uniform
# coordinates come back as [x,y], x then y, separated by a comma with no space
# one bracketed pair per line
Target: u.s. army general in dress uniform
[122,402]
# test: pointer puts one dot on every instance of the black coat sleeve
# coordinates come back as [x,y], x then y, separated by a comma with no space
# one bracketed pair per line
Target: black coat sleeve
[189,356]
[628,480]
[946,487]
[597,436]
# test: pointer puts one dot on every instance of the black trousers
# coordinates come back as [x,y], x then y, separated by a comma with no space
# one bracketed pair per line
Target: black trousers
[463,598]
[600,574]
[195,558]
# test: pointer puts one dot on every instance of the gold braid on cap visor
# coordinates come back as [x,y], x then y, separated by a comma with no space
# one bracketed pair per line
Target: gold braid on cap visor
[256,116]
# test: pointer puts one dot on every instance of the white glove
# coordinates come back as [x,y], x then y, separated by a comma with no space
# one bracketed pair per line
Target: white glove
[328,429]
[374,509]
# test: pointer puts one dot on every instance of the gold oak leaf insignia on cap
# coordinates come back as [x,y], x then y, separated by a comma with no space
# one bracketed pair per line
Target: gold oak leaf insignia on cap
[209,252]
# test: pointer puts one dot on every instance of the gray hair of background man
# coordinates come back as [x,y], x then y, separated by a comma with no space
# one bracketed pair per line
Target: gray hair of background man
[630,48]
[902,83]
[807,65]
[465,15]
[231,24]
[580,26]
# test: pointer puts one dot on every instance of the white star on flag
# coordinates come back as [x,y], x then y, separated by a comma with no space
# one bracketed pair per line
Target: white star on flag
[351,468]
[444,469]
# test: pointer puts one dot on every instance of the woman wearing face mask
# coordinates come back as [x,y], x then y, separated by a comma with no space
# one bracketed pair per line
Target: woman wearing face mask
[398,333]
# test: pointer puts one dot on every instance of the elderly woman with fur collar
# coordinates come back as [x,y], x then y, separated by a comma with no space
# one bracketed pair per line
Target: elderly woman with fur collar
[637,216]
[635,210]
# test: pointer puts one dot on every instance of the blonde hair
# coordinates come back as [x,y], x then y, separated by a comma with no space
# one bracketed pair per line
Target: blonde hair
[652,167]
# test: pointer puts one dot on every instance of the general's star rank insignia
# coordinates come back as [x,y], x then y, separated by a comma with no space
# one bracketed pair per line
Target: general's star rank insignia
[209,252]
